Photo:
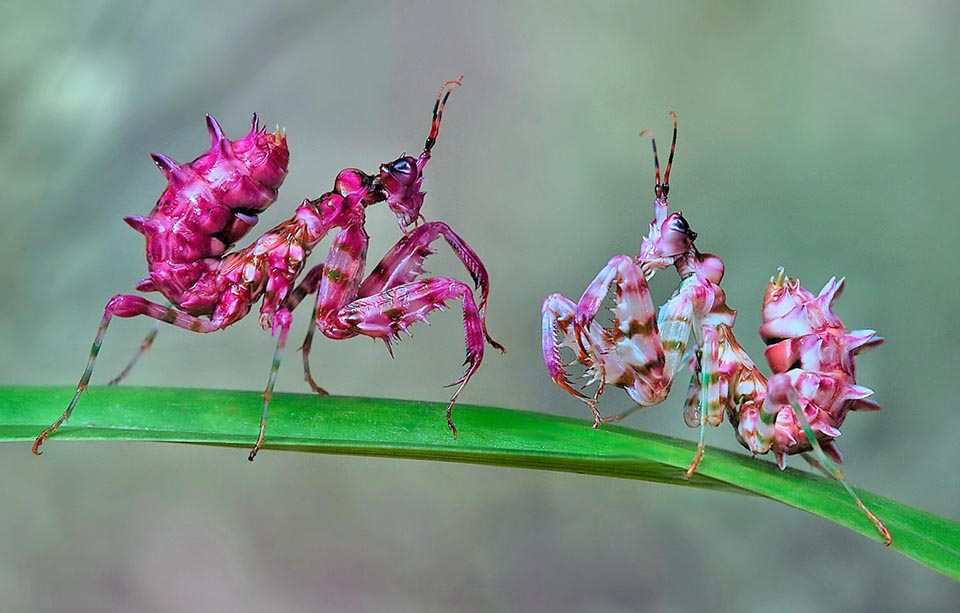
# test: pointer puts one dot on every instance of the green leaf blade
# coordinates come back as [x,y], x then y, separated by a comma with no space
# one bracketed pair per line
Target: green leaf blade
[488,436]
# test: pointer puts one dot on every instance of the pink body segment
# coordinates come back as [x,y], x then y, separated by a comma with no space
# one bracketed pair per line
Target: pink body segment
[810,351]
[213,201]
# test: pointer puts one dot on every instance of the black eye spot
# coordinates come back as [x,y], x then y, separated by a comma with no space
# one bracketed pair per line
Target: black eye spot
[680,225]
[403,167]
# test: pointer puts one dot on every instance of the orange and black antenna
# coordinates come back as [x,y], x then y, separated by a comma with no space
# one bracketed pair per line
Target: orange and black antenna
[673,148]
[662,189]
[442,96]
[656,160]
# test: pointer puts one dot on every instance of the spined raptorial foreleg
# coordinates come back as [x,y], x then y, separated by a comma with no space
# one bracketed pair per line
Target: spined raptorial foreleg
[387,314]
[558,313]
[632,354]
[634,337]
[124,306]
[404,263]
[674,324]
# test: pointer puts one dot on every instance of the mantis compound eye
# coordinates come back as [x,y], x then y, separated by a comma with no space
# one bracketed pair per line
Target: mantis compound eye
[399,174]
[680,225]
[402,166]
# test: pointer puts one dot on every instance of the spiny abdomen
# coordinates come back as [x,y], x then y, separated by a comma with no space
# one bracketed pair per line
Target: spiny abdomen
[209,204]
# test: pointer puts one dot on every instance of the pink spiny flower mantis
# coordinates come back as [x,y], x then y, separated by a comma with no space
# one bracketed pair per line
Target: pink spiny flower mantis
[801,407]
[211,289]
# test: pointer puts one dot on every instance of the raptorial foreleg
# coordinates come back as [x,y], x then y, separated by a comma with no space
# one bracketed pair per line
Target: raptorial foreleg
[674,324]
[404,263]
[558,314]
[124,305]
[635,337]
[387,314]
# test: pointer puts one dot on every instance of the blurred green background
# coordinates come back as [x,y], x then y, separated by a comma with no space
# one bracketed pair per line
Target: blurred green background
[819,136]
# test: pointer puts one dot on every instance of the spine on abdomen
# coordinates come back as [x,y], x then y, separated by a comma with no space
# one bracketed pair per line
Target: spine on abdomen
[209,204]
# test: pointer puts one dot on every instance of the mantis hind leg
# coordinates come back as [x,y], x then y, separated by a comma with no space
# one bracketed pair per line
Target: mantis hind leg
[782,389]
[123,306]
[145,344]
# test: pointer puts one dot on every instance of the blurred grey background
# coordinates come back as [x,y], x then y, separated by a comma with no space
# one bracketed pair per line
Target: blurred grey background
[820,136]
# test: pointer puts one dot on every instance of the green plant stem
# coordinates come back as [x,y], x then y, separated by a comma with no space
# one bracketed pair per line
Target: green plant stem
[489,436]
